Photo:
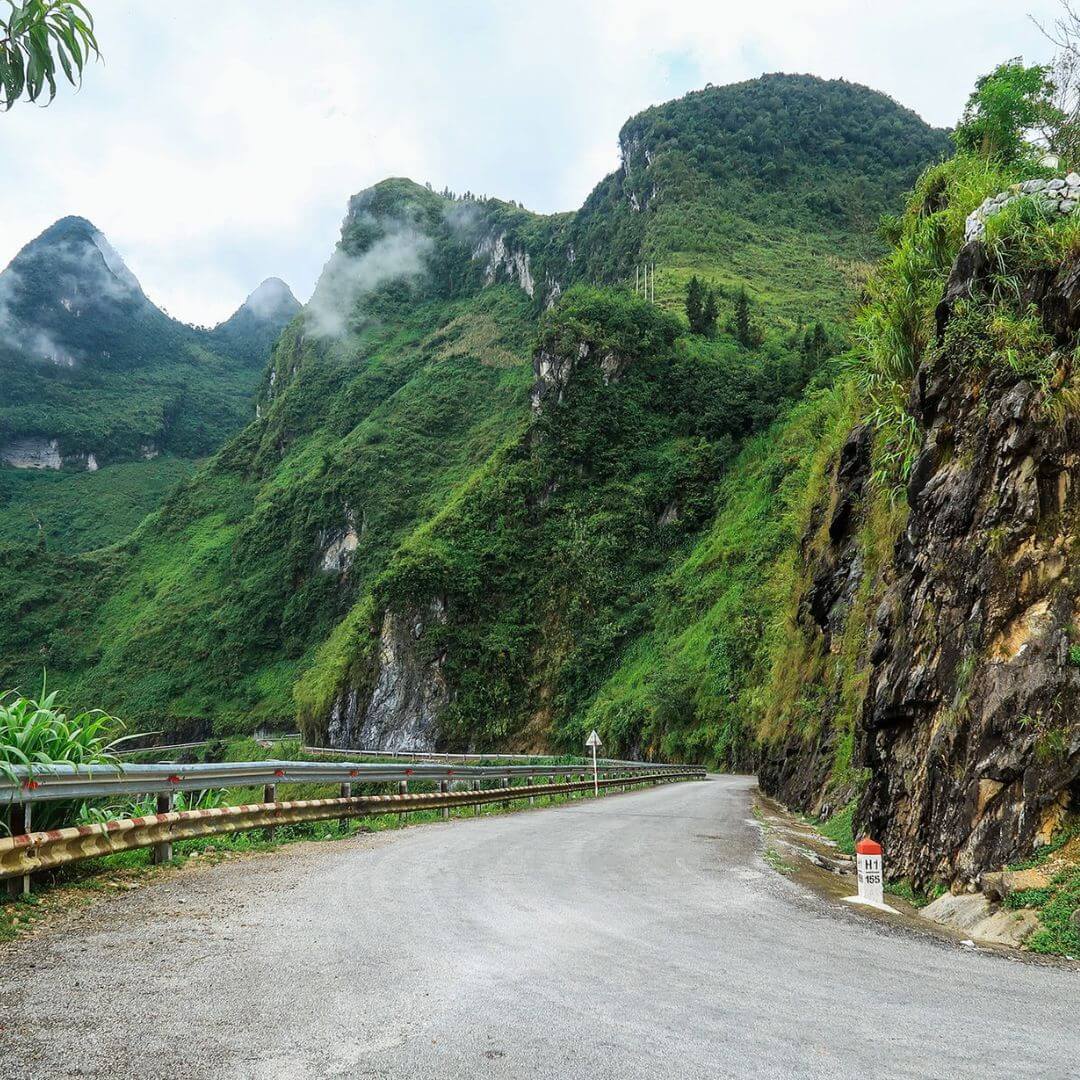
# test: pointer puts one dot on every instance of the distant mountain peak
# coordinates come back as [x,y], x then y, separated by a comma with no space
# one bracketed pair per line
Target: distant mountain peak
[77,253]
[251,330]
[272,301]
[65,294]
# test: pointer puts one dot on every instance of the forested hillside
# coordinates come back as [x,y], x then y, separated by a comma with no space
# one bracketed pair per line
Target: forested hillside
[481,462]
[95,377]
[775,185]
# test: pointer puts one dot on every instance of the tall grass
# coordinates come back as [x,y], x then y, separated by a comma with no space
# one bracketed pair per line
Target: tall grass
[895,325]
[39,732]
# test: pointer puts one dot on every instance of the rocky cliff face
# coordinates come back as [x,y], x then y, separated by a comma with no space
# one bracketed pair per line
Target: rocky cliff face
[969,731]
[553,371]
[799,768]
[400,709]
[35,452]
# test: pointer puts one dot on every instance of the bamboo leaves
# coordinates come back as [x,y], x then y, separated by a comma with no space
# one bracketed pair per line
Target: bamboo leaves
[35,37]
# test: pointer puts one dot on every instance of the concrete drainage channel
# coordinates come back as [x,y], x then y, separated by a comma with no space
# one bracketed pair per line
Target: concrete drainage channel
[28,852]
[978,920]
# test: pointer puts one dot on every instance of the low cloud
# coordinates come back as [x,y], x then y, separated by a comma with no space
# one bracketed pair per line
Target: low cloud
[270,298]
[23,338]
[113,280]
[401,252]
[463,219]
[80,276]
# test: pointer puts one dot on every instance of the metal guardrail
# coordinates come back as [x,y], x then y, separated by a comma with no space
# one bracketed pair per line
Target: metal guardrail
[431,755]
[28,852]
[392,755]
[168,748]
[43,783]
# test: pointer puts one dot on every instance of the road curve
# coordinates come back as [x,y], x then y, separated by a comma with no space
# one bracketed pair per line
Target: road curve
[640,936]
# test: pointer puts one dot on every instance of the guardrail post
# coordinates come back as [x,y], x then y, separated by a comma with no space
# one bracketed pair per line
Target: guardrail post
[346,793]
[529,783]
[403,789]
[506,783]
[20,823]
[444,788]
[270,795]
[476,788]
[162,853]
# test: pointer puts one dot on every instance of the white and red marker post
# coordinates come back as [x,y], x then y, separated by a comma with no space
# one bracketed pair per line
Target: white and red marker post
[868,863]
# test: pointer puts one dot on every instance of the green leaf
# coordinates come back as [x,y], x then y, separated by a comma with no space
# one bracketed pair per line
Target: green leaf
[40,36]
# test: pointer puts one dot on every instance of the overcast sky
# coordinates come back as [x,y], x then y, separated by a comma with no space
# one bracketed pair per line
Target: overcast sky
[218,143]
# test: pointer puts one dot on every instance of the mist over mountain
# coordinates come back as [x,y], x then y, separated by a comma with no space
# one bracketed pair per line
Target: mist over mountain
[250,332]
[93,374]
[67,298]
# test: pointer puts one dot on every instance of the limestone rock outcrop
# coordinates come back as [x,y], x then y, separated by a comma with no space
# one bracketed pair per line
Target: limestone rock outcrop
[399,709]
[969,731]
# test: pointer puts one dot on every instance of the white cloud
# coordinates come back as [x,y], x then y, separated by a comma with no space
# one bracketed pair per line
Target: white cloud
[219,142]
[399,253]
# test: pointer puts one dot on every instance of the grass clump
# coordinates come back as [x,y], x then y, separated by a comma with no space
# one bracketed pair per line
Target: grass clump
[777,862]
[39,732]
[904,890]
[1058,932]
[895,326]
[840,828]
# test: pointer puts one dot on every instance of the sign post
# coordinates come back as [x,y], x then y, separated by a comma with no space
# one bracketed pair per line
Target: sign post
[593,741]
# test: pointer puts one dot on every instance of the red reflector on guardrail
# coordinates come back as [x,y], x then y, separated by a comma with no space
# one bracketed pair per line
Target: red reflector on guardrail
[30,785]
[408,772]
[354,772]
[279,772]
[174,779]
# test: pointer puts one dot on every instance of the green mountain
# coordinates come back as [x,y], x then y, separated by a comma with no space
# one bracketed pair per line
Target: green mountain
[776,184]
[251,331]
[94,376]
[480,457]
[881,618]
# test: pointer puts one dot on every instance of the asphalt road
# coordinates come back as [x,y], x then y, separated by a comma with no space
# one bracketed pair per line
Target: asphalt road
[636,937]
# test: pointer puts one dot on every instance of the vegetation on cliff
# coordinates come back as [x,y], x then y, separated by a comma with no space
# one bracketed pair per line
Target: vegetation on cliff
[921,676]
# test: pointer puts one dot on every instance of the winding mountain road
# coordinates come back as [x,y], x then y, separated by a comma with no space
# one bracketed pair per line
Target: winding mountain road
[638,936]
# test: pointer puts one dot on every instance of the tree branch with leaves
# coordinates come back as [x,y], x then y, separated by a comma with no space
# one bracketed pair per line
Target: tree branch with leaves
[41,40]
[1005,106]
